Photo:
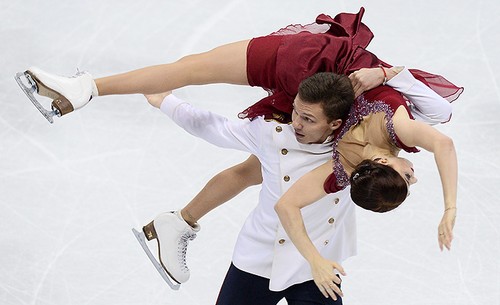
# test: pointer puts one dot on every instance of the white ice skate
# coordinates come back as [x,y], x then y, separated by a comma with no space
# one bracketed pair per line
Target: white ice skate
[67,93]
[172,235]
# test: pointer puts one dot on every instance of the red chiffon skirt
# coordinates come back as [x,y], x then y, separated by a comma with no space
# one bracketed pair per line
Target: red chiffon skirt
[280,61]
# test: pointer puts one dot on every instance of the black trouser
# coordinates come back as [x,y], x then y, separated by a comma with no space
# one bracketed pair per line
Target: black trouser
[242,288]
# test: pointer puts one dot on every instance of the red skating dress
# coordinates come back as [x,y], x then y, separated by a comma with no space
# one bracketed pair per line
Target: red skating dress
[280,61]
[367,130]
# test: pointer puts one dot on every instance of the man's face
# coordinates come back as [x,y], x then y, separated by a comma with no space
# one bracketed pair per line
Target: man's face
[310,123]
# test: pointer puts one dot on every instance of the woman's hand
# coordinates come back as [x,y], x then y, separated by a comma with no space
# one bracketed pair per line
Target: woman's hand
[156,99]
[325,278]
[445,228]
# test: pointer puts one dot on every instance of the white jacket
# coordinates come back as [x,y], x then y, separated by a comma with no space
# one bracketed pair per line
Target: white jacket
[263,248]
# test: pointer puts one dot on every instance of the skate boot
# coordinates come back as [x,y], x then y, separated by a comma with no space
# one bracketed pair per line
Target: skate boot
[172,234]
[68,93]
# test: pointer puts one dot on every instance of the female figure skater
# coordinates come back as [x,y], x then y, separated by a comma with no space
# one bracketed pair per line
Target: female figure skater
[385,128]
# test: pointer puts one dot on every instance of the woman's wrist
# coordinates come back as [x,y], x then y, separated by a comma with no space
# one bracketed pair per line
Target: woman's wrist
[313,257]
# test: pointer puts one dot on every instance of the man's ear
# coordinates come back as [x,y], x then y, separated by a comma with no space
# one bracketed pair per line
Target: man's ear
[335,124]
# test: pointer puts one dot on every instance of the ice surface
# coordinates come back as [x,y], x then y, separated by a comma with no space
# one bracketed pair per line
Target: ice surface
[71,191]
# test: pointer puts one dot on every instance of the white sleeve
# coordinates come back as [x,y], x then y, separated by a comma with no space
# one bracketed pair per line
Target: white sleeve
[241,135]
[426,105]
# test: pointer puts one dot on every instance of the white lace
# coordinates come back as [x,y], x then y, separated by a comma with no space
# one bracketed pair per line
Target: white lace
[182,249]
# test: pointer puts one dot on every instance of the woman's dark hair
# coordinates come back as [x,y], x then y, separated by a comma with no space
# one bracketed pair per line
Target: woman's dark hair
[377,187]
[333,91]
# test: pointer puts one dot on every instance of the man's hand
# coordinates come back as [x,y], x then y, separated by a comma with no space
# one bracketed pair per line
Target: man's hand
[366,79]
[156,99]
[369,78]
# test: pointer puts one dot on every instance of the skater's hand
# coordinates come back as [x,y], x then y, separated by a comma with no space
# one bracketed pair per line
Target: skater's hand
[369,78]
[445,228]
[324,277]
[366,79]
[156,99]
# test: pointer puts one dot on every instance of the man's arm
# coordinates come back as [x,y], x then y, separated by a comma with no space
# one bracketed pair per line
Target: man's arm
[241,135]
[227,183]
[426,105]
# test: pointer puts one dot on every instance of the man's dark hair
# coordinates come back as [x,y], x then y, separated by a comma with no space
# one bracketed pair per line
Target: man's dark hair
[333,91]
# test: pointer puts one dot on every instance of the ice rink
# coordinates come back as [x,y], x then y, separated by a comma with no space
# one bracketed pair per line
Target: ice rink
[70,192]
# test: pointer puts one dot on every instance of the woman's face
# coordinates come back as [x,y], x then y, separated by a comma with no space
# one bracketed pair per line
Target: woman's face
[403,166]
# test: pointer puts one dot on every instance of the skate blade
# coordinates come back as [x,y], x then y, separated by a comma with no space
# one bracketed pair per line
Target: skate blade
[141,238]
[48,114]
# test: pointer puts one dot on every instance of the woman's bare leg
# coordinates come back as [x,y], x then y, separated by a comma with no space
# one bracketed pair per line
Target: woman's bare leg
[223,187]
[224,64]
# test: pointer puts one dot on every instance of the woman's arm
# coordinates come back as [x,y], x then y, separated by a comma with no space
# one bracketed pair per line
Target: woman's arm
[307,190]
[414,133]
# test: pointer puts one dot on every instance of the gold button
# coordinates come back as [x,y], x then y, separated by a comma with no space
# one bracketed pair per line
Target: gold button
[336,200]
[331,220]
[279,129]
[281,241]
[284,151]
[286,178]
[326,242]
